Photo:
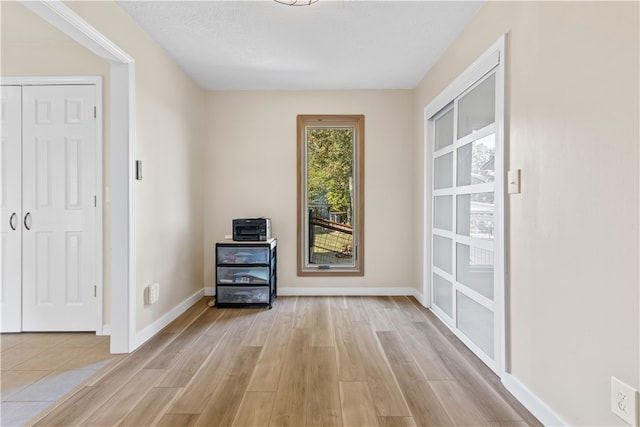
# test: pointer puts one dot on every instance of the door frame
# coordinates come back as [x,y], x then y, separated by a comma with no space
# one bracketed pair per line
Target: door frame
[95,81]
[492,58]
[120,193]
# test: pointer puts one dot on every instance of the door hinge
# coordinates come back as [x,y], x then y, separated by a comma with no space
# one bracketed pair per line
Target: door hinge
[95,291]
[95,201]
[95,112]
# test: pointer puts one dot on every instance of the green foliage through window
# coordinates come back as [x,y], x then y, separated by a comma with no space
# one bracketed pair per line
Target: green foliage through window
[330,172]
[330,219]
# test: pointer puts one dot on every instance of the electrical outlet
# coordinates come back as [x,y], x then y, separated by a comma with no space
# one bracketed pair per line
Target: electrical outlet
[624,401]
[153,293]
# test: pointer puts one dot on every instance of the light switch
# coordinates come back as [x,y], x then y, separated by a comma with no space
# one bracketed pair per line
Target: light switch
[513,180]
[139,170]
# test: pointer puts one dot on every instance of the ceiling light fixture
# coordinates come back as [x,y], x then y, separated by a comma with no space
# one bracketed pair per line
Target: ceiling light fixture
[296,2]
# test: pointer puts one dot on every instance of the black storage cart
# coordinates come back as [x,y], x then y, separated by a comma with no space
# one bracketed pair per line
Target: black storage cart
[246,273]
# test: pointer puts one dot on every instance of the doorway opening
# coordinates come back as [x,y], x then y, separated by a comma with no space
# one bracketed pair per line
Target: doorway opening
[122,125]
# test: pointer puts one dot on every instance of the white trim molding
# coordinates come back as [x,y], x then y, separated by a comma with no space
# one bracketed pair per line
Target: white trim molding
[290,291]
[60,16]
[295,291]
[307,292]
[122,112]
[145,334]
[533,403]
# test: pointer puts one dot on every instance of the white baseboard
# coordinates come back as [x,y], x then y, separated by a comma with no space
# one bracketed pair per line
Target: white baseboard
[533,403]
[348,292]
[421,299]
[106,330]
[287,292]
[155,327]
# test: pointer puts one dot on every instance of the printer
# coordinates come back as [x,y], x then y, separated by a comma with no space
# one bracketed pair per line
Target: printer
[251,229]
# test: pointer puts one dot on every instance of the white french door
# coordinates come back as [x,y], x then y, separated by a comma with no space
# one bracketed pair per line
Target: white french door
[467,239]
[52,185]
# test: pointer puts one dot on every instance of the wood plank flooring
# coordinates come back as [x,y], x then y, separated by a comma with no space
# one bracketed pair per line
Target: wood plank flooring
[38,369]
[310,361]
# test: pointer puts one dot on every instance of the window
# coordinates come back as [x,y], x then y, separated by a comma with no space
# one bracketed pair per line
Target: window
[330,195]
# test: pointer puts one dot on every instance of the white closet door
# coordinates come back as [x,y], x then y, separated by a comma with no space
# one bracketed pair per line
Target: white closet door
[11,200]
[465,284]
[58,208]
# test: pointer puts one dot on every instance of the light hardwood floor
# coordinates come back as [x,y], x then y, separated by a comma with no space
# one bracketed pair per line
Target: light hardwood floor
[310,361]
[38,369]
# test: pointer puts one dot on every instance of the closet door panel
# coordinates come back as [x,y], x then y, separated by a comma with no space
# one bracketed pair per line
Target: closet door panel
[11,201]
[58,201]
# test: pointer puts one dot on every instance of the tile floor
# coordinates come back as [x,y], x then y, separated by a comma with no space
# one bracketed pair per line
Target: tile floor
[40,368]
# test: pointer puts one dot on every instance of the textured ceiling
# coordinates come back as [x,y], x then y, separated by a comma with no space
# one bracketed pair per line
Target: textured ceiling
[238,44]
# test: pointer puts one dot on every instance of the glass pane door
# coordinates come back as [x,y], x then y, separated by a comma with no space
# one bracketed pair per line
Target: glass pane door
[464,211]
[443,212]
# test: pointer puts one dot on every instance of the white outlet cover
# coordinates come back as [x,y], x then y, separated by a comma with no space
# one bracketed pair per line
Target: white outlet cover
[152,293]
[624,401]
[155,292]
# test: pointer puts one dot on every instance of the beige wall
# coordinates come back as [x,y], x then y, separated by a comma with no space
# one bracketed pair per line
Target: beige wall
[251,171]
[168,202]
[572,95]
[168,140]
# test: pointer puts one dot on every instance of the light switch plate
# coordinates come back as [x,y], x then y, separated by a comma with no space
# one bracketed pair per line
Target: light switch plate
[513,180]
